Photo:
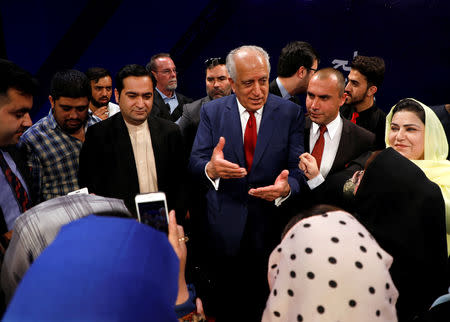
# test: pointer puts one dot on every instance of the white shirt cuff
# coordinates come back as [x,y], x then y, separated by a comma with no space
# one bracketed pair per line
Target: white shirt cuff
[215,183]
[316,181]
[280,200]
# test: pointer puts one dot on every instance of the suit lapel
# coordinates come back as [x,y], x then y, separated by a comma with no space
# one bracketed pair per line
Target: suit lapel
[344,142]
[274,89]
[306,134]
[156,143]
[268,124]
[233,134]
[125,155]
[163,108]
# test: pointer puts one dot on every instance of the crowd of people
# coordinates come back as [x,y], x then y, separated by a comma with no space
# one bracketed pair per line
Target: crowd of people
[323,210]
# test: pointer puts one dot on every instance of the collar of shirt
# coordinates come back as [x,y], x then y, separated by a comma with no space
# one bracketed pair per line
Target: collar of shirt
[332,127]
[166,98]
[284,93]
[244,115]
[133,129]
[172,101]
[51,120]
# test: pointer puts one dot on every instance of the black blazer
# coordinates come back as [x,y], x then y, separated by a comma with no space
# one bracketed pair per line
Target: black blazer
[162,109]
[108,168]
[19,159]
[274,89]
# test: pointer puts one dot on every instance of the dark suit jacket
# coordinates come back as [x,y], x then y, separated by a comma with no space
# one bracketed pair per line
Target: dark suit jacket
[108,167]
[231,211]
[19,159]
[354,142]
[162,109]
[189,121]
[274,89]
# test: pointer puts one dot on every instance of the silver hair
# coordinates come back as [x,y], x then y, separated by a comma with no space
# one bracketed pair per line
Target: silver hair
[231,64]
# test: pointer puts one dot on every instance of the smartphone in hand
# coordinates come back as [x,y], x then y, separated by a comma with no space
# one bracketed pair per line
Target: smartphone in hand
[152,210]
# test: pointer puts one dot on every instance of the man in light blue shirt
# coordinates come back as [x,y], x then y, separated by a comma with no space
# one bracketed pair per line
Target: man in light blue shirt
[166,102]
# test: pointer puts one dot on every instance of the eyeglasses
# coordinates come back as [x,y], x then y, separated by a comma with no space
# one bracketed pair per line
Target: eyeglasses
[313,69]
[167,71]
[214,61]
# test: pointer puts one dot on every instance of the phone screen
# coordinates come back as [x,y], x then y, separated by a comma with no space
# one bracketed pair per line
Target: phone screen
[153,213]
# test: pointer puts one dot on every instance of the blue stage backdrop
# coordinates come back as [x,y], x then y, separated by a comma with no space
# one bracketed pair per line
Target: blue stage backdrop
[411,35]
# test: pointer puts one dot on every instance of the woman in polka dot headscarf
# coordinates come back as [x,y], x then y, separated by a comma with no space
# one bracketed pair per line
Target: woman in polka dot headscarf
[329,268]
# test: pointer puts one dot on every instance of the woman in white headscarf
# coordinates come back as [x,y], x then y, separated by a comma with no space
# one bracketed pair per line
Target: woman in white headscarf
[414,130]
[329,268]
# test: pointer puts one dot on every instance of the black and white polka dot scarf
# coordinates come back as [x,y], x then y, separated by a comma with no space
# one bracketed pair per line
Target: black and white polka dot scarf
[329,268]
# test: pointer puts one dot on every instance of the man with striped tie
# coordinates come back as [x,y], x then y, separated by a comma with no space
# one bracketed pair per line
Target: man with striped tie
[16,100]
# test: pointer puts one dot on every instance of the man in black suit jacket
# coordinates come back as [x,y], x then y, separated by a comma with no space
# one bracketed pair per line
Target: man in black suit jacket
[132,152]
[16,100]
[298,61]
[166,102]
[343,140]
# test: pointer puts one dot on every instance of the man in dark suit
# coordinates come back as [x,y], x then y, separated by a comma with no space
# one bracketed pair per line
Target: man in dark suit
[341,140]
[298,61]
[167,103]
[246,151]
[132,152]
[16,100]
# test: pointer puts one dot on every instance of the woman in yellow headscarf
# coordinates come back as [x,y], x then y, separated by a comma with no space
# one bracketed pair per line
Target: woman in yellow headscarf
[414,130]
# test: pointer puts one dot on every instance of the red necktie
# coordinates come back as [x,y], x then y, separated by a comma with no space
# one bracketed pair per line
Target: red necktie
[318,147]
[250,140]
[19,191]
[355,115]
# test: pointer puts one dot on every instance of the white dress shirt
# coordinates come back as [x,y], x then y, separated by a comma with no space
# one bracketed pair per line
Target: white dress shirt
[332,138]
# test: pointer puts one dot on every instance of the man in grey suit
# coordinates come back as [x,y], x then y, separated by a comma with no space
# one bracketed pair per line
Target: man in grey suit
[217,86]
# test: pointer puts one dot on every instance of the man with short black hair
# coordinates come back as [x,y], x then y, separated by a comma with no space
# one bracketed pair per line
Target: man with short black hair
[365,78]
[139,153]
[101,92]
[17,88]
[298,61]
[167,103]
[53,144]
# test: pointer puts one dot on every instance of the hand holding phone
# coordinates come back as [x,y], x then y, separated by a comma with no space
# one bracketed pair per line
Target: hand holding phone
[152,210]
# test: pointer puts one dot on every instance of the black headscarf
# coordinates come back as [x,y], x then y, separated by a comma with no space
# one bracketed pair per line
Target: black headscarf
[406,214]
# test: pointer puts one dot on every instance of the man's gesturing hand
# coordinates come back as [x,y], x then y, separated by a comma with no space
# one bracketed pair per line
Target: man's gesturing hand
[308,165]
[218,167]
[280,188]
